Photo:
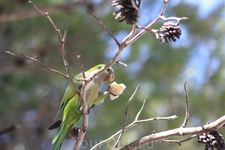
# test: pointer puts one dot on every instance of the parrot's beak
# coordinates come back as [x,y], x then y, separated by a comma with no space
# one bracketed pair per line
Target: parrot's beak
[110,76]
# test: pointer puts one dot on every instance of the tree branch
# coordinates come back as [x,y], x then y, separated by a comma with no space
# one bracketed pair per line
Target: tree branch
[156,137]
[126,116]
[81,66]
[121,63]
[10,129]
[178,141]
[105,27]
[187,106]
[35,59]
[134,123]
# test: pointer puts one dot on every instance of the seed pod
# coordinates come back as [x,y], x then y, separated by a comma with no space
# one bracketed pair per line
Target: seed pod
[126,11]
[170,31]
[212,140]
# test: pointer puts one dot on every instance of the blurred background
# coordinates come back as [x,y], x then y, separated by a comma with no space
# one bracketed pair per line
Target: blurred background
[30,96]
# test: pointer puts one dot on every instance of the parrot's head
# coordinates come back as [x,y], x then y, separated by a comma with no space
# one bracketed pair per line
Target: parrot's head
[106,75]
[110,74]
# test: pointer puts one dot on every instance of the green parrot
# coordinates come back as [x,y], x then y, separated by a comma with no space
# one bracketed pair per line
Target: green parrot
[70,106]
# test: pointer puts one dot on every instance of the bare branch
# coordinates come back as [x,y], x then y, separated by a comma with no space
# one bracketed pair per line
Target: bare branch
[134,123]
[126,115]
[105,27]
[10,129]
[85,117]
[156,137]
[81,65]
[121,63]
[164,7]
[178,141]
[155,119]
[142,107]
[130,35]
[187,106]
[35,59]
[174,18]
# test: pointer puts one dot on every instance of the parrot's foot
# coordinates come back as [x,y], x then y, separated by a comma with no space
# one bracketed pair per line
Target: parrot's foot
[74,133]
[88,110]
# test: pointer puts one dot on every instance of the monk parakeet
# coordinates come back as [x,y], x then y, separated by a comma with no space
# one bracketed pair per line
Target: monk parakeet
[70,107]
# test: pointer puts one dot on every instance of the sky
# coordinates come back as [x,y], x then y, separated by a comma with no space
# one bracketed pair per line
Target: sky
[200,59]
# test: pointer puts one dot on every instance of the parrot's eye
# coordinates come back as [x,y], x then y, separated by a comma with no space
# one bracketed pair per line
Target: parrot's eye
[108,69]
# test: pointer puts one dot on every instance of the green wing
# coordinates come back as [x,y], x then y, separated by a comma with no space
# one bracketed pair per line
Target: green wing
[100,98]
[96,67]
[69,93]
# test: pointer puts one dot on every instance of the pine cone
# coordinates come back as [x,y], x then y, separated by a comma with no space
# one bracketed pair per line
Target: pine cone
[212,140]
[126,12]
[169,32]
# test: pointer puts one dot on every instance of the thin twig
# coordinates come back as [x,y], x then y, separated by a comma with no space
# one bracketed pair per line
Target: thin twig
[139,112]
[81,66]
[10,129]
[121,63]
[187,106]
[49,18]
[178,141]
[35,59]
[173,18]
[130,35]
[126,116]
[134,123]
[105,27]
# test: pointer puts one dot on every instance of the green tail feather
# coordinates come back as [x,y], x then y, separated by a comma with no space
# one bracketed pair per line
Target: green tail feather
[63,132]
[60,136]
